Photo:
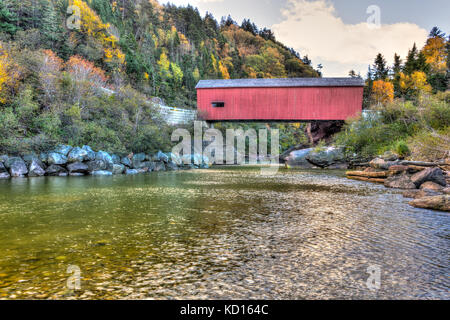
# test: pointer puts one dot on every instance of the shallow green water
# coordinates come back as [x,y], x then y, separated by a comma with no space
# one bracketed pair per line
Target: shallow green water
[222,233]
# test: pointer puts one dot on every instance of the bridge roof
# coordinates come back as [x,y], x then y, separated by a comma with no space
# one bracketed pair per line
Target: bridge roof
[277,83]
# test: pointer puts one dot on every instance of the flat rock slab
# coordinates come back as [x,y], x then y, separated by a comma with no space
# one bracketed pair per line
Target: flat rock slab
[441,203]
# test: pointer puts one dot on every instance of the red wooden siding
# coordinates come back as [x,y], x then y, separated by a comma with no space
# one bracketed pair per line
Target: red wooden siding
[288,104]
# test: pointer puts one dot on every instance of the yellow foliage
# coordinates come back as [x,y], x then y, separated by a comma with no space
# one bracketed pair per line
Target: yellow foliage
[435,53]
[416,83]
[224,71]
[92,25]
[383,91]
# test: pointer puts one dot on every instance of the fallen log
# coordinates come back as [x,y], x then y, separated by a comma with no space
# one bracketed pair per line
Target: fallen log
[374,180]
[368,174]
[421,163]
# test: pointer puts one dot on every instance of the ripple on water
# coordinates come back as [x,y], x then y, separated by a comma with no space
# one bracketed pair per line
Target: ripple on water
[227,233]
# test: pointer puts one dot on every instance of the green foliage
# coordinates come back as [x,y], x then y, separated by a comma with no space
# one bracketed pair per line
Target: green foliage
[395,126]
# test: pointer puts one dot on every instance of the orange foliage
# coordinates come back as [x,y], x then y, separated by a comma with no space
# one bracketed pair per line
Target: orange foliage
[83,70]
[383,91]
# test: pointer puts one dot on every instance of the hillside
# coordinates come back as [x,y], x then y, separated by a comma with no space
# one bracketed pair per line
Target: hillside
[54,66]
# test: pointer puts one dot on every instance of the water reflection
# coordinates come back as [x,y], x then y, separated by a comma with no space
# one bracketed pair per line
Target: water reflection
[223,233]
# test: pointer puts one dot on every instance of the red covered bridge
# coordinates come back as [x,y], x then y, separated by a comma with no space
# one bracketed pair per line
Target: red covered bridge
[294,99]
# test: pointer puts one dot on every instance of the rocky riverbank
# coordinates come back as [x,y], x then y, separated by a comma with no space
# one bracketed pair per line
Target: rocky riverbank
[428,183]
[66,161]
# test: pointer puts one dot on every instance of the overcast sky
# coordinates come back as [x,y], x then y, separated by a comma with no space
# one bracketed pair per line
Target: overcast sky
[335,33]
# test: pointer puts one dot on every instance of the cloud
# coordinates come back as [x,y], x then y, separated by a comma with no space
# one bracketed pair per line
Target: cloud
[314,29]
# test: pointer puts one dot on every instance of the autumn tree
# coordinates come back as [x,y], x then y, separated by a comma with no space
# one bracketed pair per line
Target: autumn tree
[383,92]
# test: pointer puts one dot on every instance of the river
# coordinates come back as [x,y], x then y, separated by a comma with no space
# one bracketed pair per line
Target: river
[224,233]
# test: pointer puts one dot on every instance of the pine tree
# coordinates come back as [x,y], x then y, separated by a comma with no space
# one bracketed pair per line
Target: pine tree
[397,68]
[50,26]
[381,71]
[8,19]
[411,61]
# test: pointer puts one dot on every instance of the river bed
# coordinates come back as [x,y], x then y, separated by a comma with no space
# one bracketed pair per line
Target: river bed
[223,233]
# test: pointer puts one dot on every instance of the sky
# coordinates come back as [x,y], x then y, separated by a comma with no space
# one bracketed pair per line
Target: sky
[339,34]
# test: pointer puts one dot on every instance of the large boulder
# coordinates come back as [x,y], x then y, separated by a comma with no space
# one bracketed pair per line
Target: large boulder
[126,162]
[435,175]
[115,159]
[138,160]
[417,194]
[170,166]
[431,186]
[161,156]
[297,159]
[43,156]
[101,173]
[131,171]
[63,149]
[379,163]
[4,158]
[104,156]
[96,165]
[56,158]
[389,156]
[118,169]
[17,167]
[4,174]
[78,167]
[35,169]
[56,170]
[77,154]
[441,203]
[90,153]
[326,157]
[159,166]
[399,182]
[29,158]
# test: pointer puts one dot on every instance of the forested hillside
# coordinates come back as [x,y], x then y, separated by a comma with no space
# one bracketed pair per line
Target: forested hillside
[55,65]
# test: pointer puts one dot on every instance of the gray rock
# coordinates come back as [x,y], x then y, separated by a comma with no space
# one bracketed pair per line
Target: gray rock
[28,158]
[4,175]
[104,156]
[17,167]
[159,166]
[431,186]
[139,157]
[115,159]
[77,154]
[204,166]
[96,165]
[35,169]
[297,159]
[101,173]
[63,149]
[56,158]
[379,163]
[138,160]
[2,168]
[435,175]
[441,203]
[399,182]
[43,156]
[90,153]
[326,157]
[170,166]
[389,156]
[143,170]
[78,167]
[4,158]
[55,170]
[126,162]
[118,168]
[131,171]
[160,156]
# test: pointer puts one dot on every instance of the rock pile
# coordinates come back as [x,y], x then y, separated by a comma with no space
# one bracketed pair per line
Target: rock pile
[79,161]
[426,182]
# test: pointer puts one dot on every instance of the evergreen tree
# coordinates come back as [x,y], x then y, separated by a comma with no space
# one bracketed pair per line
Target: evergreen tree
[50,25]
[411,61]
[8,19]
[380,69]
